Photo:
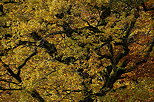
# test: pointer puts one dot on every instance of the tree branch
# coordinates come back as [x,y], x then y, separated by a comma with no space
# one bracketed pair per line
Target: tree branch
[10,89]
[5,51]
[44,43]
[72,90]
[24,63]
[44,77]
[125,42]
[8,81]
[36,95]
[17,77]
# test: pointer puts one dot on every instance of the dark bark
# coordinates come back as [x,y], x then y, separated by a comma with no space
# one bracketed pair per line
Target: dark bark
[17,77]
[36,95]
[112,75]
[10,89]
[69,10]
[4,80]
[87,93]
[125,42]
[60,16]
[24,63]
[1,10]
[6,36]
[87,99]
[51,49]
[67,28]
[113,78]
[94,29]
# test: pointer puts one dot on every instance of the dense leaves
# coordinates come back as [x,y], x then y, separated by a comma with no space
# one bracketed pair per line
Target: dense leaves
[83,50]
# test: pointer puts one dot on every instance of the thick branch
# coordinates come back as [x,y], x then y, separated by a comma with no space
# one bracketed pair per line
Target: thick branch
[132,24]
[44,43]
[125,42]
[121,55]
[36,95]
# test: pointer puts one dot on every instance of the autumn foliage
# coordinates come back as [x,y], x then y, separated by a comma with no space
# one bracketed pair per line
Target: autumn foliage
[76,51]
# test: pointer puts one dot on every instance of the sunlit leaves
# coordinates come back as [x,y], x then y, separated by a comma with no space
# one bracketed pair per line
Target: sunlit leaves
[83,61]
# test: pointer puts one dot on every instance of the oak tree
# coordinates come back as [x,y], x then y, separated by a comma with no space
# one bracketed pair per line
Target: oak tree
[66,50]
